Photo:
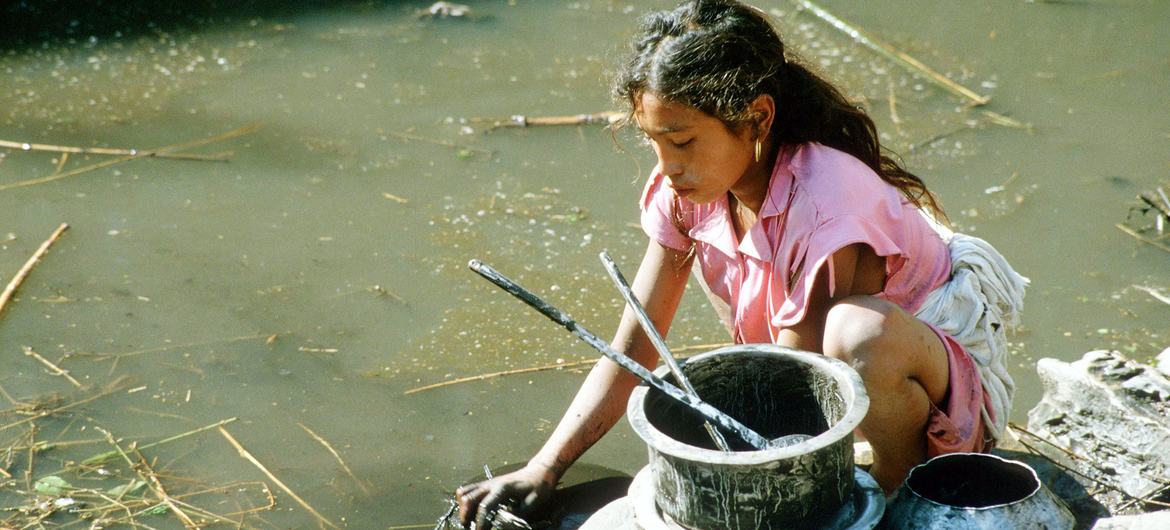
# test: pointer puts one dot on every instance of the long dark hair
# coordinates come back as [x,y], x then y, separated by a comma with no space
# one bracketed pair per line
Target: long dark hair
[718,56]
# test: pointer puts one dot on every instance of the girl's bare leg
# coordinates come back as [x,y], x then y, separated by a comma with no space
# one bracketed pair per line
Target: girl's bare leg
[905,368]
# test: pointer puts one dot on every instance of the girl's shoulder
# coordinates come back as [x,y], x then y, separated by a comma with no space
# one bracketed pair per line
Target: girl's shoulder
[837,183]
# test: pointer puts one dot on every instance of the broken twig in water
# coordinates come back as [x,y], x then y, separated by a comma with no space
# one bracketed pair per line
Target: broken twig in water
[28,265]
[893,53]
[394,198]
[542,368]
[248,456]
[1163,210]
[98,459]
[1142,238]
[247,129]
[23,146]
[521,121]
[151,479]
[444,143]
[332,451]
[109,389]
[270,338]
[53,369]
[1157,294]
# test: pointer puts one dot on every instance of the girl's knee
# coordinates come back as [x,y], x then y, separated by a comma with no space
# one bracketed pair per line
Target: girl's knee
[855,326]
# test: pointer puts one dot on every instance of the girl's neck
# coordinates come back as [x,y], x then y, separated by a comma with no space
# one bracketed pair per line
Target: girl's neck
[752,187]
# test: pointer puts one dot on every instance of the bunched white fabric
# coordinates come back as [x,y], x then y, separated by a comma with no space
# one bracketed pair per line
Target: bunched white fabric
[983,298]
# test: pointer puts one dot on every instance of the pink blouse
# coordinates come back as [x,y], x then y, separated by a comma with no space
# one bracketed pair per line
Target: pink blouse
[819,201]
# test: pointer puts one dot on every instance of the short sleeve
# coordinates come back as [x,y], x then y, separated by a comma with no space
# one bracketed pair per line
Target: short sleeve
[826,239]
[657,205]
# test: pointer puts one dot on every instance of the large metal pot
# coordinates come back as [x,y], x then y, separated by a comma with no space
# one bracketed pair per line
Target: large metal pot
[974,491]
[776,391]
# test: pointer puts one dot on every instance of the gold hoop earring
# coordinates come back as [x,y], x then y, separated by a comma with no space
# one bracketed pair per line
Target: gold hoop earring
[758,148]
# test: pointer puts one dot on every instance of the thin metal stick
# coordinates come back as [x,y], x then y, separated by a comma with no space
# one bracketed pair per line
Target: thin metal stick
[554,314]
[656,339]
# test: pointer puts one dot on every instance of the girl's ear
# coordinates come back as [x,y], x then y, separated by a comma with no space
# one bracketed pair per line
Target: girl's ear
[763,108]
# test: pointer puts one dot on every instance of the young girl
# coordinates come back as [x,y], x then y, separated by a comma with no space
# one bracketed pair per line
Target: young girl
[805,235]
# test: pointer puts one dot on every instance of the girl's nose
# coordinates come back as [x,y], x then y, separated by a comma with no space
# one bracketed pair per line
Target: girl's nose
[672,170]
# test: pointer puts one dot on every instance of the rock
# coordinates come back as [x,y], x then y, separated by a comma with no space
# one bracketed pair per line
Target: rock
[1114,415]
[1163,361]
[1145,521]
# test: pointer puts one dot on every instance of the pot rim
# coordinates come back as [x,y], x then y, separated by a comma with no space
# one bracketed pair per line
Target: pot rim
[848,381]
[1031,472]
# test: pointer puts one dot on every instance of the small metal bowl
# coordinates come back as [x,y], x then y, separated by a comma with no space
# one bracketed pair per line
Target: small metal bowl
[974,491]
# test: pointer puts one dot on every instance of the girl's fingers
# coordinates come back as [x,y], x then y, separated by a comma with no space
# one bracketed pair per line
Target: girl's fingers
[469,497]
[489,505]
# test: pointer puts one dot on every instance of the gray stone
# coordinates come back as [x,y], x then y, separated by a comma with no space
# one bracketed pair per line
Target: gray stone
[1163,362]
[1114,415]
[1145,521]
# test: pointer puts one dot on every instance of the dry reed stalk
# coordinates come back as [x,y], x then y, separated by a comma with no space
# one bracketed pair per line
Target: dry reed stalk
[66,150]
[53,369]
[893,101]
[1142,238]
[893,53]
[116,356]
[444,143]
[521,121]
[248,456]
[394,198]
[333,452]
[61,163]
[109,389]
[98,459]
[28,265]
[147,473]
[247,129]
[1154,293]
[542,368]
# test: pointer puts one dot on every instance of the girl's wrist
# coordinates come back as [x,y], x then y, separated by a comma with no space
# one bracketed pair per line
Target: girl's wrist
[550,473]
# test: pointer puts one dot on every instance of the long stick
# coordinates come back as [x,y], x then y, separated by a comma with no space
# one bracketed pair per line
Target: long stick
[893,53]
[104,356]
[248,456]
[141,154]
[24,146]
[706,410]
[110,389]
[541,368]
[1141,238]
[97,459]
[656,339]
[28,265]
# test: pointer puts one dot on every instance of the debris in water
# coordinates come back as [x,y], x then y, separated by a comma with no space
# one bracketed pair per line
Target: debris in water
[444,10]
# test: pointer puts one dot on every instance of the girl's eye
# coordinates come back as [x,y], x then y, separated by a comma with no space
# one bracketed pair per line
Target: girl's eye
[683,143]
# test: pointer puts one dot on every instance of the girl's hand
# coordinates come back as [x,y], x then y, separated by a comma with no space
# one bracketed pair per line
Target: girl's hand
[519,491]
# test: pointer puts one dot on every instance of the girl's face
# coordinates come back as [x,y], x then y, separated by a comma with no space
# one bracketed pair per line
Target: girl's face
[700,157]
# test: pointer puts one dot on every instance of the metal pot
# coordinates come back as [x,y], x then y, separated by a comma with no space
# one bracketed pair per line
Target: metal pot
[975,491]
[776,391]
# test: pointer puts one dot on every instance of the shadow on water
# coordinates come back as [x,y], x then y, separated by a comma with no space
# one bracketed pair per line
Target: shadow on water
[29,23]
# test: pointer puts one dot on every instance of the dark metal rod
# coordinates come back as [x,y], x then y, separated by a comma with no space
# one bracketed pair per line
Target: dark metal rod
[659,343]
[706,410]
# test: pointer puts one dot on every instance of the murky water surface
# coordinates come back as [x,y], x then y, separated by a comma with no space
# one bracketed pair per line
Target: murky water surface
[311,280]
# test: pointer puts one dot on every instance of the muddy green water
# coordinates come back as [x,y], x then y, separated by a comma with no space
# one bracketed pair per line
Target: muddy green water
[194,265]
